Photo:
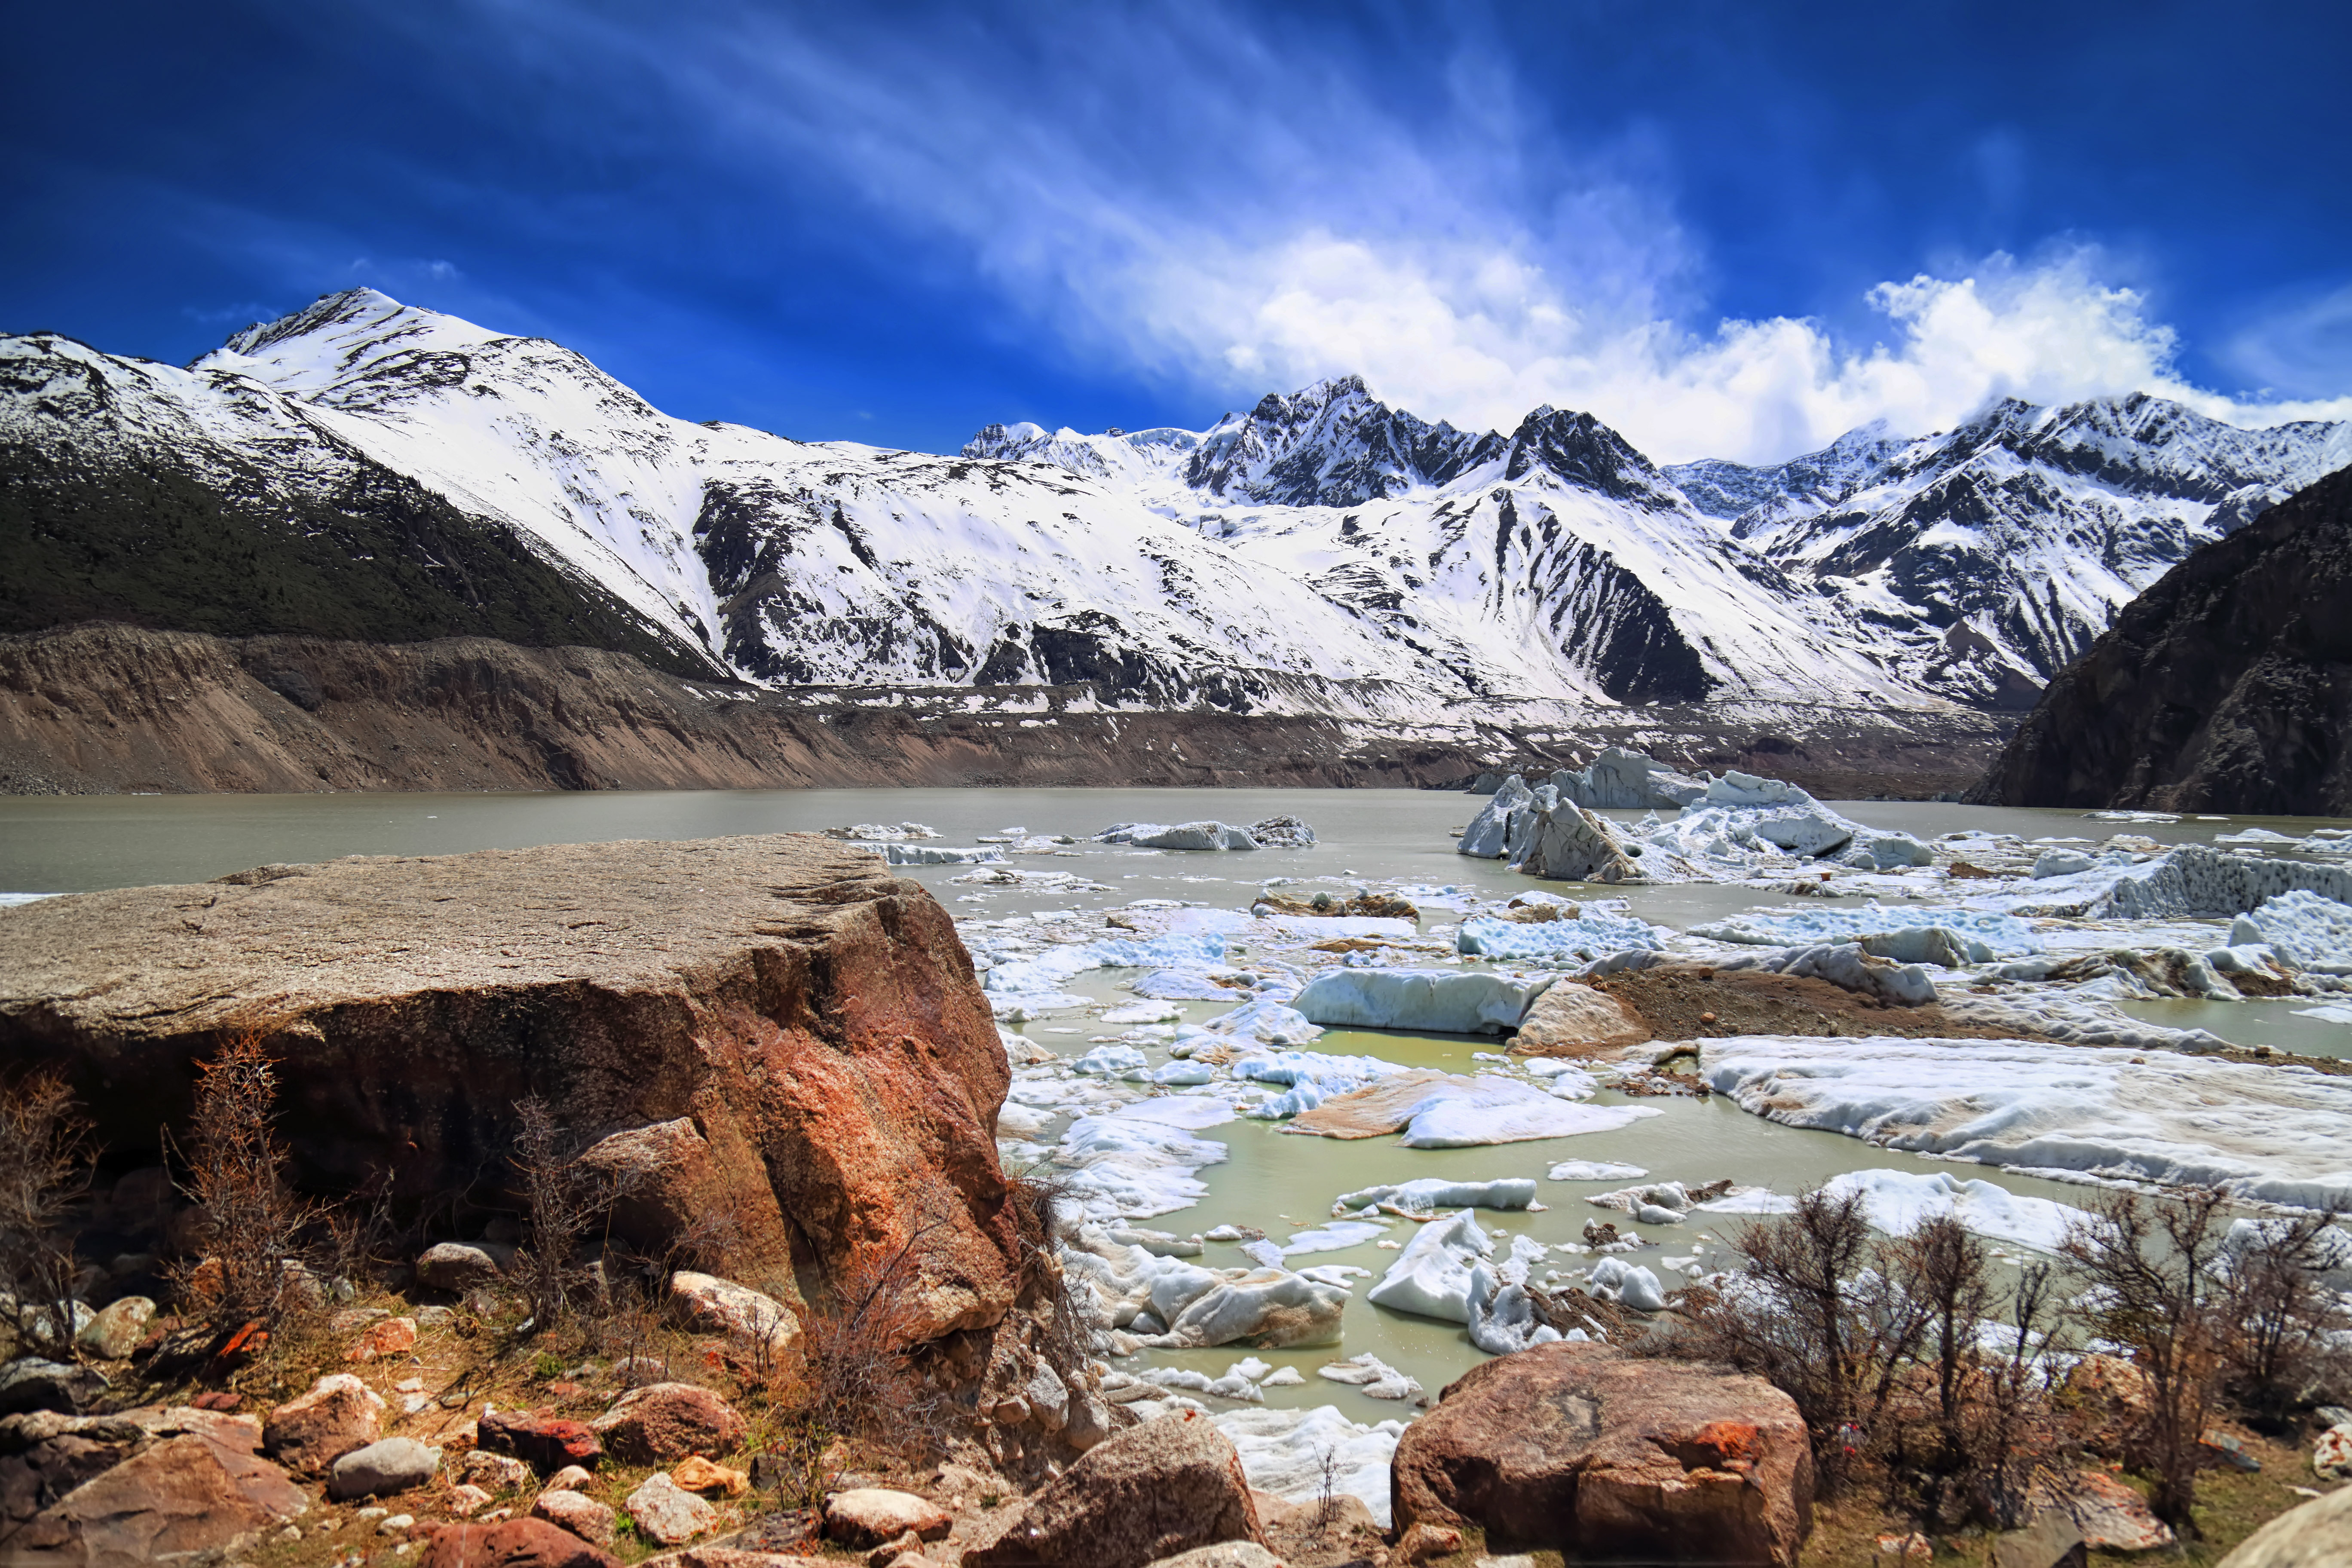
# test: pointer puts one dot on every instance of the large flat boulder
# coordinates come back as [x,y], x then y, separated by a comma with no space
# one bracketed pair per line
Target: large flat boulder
[149,1485]
[812,1018]
[1611,1457]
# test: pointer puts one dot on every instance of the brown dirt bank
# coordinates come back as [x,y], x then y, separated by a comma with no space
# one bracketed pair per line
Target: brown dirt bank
[104,709]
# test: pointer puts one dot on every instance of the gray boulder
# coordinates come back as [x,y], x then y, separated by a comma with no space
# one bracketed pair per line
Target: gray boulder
[394,1465]
[463,1264]
[32,1383]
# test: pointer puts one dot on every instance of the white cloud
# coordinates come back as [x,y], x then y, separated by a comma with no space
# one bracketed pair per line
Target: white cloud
[1220,207]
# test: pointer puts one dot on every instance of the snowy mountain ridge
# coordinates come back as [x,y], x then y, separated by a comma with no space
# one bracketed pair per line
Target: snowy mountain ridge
[1321,552]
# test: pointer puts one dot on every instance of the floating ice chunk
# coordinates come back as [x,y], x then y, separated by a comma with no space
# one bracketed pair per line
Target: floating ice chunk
[2197,880]
[1299,1099]
[1750,1200]
[1876,849]
[1125,1165]
[1594,1170]
[1502,1315]
[2000,935]
[1284,1377]
[1269,1022]
[1898,1202]
[1271,1308]
[2305,929]
[2262,1133]
[2060,863]
[1934,945]
[1144,1013]
[1430,1193]
[938,855]
[1374,1376]
[1175,1075]
[1343,1275]
[1614,1280]
[1014,1120]
[1265,1254]
[1043,971]
[1108,1061]
[1191,1112]
[1435,1001]
[1183,835]
[1284,1452]
[1623,779]
[2330,1014]
[1337,1074]
[1283,833]
[1232,1385]
[1440,1111]
[1431,1278]
[1182,985]
[1336,1236]
[1847,966]
[1593,931]
[1489,831]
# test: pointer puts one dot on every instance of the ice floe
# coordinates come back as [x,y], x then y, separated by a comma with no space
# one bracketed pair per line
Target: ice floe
[1593,1171]
[1899,1201]
[1285,1451]
[1596,929]
[1446,1002]
[1443,1110]
[1127,1165]
[1180,836]
[1614,1280]
[2264,1133]
[1429,1194]
[1432,1276]
[1999,935]
[2304,930]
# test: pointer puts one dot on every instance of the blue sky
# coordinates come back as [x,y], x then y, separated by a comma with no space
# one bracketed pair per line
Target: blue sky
[1727,229]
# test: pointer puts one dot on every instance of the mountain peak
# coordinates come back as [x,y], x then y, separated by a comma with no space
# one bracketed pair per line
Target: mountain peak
[355,306]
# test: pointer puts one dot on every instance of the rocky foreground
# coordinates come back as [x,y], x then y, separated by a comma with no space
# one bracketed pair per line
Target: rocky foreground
[768,1029]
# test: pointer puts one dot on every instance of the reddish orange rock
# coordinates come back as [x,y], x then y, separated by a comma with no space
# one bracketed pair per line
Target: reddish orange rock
[1583,1448]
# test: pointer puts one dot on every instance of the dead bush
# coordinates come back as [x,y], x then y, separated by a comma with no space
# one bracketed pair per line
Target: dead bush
[253,1267]
[1969,1428]
[1810,1313]
[2290,1325]
[560,1202]
[1043,1211]
[47,1155]
[2152,1283]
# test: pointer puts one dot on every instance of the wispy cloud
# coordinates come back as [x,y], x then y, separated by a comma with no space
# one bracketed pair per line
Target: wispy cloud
[1197,195]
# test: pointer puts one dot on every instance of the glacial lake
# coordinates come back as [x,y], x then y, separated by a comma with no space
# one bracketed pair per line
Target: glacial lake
[1271,1180]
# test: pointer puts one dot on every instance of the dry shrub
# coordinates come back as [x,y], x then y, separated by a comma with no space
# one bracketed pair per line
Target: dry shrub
[560,1202]
[47,1155]
[1043,1213]
[1810,1314]
[2291,1345]
[2153,1286]
[1969,1428]
[254,1268]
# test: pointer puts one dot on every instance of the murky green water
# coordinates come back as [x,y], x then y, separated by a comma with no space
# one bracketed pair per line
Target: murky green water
[1273,1181]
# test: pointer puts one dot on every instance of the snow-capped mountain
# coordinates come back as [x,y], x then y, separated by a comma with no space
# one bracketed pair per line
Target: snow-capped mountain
[1321,552]
[1994,553]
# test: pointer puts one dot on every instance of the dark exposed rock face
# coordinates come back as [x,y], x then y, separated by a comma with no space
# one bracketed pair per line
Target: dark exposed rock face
[2226,687]
[816,1018]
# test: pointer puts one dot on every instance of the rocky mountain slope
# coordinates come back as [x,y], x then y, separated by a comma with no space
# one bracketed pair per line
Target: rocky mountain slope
[1990,555]
[2226,687]
[371,471]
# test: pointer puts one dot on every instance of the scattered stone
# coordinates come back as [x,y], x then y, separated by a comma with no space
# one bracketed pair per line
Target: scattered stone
[666,1421]
[1583,1448]
[1912,1548]
[2331,1455]
[742,1314]
[2111,1515]
[146,1485]
[219,1399]
[398,1524]
[461,1265]
[308,1434]
[498,1472]
[1422,1541]
[571,1478]
[2051,1541]
[907,1548]
[545,1441]
[2310,1536]
[1149,1492]
[118,1328]
[466,1502]
[1225,1554]
[31,1383]
[513,1543]
[865,1516]
[388,1466]
[2220,1448]
[667,1514]
[699,1475]
[583,1516]
[386,1336]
